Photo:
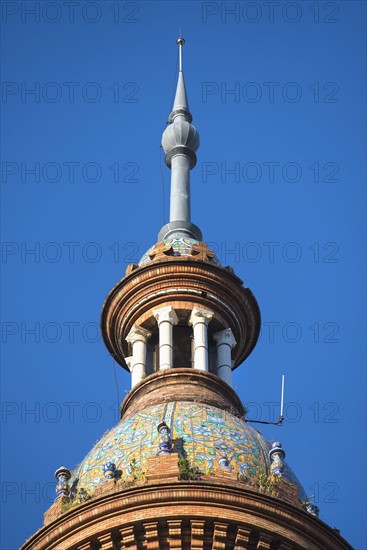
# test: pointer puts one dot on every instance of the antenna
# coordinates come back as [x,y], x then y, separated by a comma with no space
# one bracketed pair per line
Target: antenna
[282,399]
[279,422]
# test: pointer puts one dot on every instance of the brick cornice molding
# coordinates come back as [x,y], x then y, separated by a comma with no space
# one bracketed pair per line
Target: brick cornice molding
[204,501]
[172,384]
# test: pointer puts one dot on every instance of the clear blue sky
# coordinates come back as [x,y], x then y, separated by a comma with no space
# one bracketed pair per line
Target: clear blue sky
[290,219]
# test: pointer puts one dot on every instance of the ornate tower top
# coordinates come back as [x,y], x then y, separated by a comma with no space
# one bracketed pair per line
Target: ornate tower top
[180,142]
[182,466]
[179,308]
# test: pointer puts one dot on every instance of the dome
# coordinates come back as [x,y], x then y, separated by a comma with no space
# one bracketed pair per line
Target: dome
[199,432]
[177,247]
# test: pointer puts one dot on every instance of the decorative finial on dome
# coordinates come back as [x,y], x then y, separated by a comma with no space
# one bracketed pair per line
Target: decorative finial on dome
[165,444]
[312,509]
[224,463]
[109,470]
[277,455]
[62,475]
[180,142]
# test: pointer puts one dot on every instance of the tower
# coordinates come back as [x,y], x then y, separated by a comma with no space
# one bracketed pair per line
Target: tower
[182,469]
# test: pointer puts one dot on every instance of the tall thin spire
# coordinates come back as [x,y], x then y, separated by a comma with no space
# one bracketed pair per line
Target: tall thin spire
[180,42]
[180,142]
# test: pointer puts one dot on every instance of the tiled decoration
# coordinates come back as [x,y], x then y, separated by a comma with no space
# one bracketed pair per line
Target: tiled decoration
[180,247]
[202,433]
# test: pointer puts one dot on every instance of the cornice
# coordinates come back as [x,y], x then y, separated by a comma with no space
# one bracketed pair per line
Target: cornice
[187,500]
[175,280]
[178,384]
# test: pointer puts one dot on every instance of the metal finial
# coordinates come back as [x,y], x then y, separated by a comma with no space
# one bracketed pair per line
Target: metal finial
[180,141]
[180,41]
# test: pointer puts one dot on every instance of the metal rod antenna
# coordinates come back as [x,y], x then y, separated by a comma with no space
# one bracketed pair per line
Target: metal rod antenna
[180,42]
[282,398]
[280,420]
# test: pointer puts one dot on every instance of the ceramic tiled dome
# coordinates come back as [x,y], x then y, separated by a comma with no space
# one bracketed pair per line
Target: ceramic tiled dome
[202,433]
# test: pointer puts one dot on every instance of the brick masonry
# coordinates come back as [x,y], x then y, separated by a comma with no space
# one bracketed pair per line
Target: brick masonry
[171,385]
[183,284]
[163,513]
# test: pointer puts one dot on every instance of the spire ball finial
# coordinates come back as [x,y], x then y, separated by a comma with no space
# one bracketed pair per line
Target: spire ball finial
[180,41]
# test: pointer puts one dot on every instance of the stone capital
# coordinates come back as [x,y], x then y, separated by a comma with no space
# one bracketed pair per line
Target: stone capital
[138,334]
[200,316]
[225,337]
[166,313]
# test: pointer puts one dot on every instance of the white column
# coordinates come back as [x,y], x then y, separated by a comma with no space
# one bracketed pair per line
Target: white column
[225,342]
[129,363]
[199,320]
[166,318]
[137,337]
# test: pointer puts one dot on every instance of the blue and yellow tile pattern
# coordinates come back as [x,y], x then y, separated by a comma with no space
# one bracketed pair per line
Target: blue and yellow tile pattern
[201,433]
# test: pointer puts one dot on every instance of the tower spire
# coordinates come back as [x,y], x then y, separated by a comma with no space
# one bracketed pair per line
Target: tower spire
[180,141]
[180,42]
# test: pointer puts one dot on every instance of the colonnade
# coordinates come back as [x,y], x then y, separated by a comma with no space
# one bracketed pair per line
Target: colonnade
[167,318]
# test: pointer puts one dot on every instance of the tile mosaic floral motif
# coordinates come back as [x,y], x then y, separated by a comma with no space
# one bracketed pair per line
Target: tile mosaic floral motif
[180,247]
[199,432]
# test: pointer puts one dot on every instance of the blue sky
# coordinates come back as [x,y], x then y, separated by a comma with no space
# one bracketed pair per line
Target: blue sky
[278,95]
